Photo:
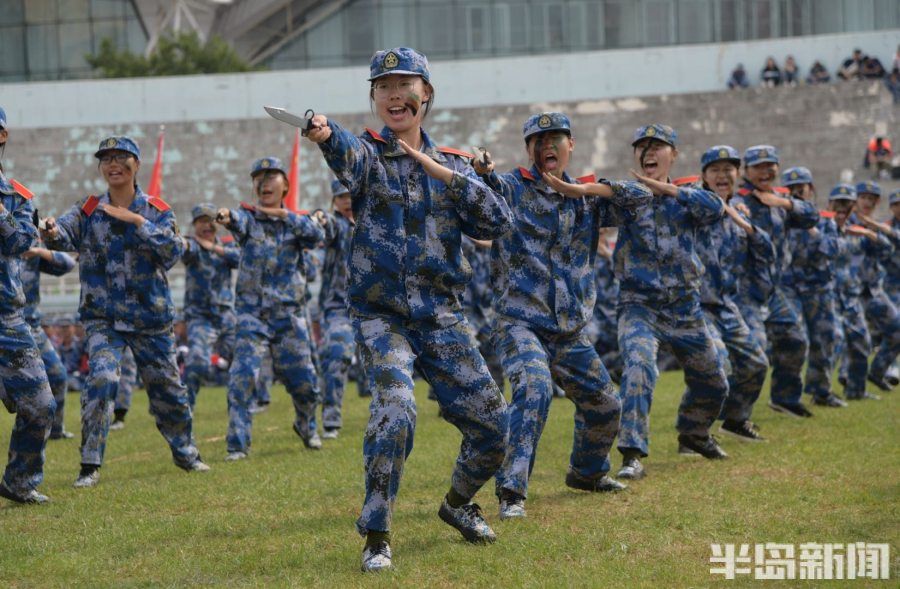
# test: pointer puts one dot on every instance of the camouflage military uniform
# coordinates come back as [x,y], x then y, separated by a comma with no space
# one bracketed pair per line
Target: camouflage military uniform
[853,255]
[809,287]
[126,302]
[127,383]
[783,330]
[24,389]
[407,276]
[726,251]
[270,301]
[602,329]
[544,297]
[30,274]
[208,309]
[659,301]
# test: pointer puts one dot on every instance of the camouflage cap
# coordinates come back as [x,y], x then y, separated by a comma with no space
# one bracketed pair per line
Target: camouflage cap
[719,153]
[338,189]
[400,60]
[546,121]
[204,209]
[118,143]
[894,198]
[2,118]
[868,187]
[796,175]
[760,154]
[264,164]
[663,133]
[842,192]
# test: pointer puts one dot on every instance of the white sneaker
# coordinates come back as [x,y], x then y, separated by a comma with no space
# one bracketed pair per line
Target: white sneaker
[87,479]
[235,456]
[330,433]
[117,425]
[198,466]
[377,558]
[512,508]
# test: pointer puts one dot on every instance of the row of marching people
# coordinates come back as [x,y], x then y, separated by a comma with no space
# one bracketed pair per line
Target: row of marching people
[701,266]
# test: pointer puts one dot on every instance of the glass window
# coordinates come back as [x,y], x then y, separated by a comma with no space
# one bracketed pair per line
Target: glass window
[109,29]
[137,37]
[108,8]
[695,21]
[620,23]
[396,26]
[658,22]
[585,25]
[437,26]
[729,22]
[887,14]
[326,44]
[43,49]
[12,51]
[477,29]
[512,27]
[74,43]
[795,18]
[12,11]
[359,19]
[73,10]
[859,15]
[759,17]
[827,18]
[38,11]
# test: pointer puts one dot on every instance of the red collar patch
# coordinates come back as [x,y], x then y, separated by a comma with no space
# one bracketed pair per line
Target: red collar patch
[20,188]
[374,134]
[248,207]
[159,204]
[90,205]
[589,179]
[458,152]
[526,173]
[685,180]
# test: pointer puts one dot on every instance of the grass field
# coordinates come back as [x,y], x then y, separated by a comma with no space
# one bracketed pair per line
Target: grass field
[284,517]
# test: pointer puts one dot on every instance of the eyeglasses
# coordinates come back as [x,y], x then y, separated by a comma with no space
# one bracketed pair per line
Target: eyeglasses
[119,158]
[382,88]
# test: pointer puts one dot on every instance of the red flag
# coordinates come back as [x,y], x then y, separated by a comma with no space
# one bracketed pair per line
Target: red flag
[155,187]
[292,200]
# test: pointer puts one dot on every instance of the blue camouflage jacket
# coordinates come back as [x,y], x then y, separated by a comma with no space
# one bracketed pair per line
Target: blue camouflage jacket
[17,235]
[731,256]
[208,285]
[543,269]
[477,299]
[655,257]
[334,295]
[872,269]
[30,273]
[892,279]
[123,267]
[776,222]
[271,277]
[607,293]
[812,254]
[854,254]
[406,255]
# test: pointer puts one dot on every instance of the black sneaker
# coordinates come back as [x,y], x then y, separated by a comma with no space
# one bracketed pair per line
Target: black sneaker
[313,442]
[797,410]
[842,379]
[469,521]
[685,451]
[831,400]
[880,383]
[892,378]
[604,484]
[705,446]
[31,496]
[742,430]
[865,396]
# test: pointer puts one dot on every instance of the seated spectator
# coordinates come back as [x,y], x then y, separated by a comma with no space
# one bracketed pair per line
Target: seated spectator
[850,69]
[738,78]
[818,74]
[878,157]
[871,68]
[893,84]
[771,74]
[791,73]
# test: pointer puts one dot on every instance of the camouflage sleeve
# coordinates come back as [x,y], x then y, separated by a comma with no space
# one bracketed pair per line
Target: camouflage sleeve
[484,213]
[70,226]
[803,216]
[191,251]
[760,247]
[506,185]
[331,228]
[306,229]
[163,239]
[240,224]
[17,230]
[828,242]
[628,196]
[704,206]
[60,264]
[880,248]
[232,255]
[348,157]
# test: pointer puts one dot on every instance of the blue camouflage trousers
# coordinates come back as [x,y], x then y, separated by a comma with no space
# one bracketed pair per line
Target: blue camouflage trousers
[127,381]
[286,337]
[207,334]
[154,353]
[680,323]
[532,363]
[882,315]
[857,345]
[24,390]
[787,340]
[744,359]
[819,312]
[468,397]
[337,356]
[56,375]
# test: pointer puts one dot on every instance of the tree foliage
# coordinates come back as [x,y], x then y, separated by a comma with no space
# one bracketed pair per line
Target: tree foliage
[183,54]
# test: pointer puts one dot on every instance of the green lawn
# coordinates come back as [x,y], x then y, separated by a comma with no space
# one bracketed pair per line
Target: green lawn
[284,517]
